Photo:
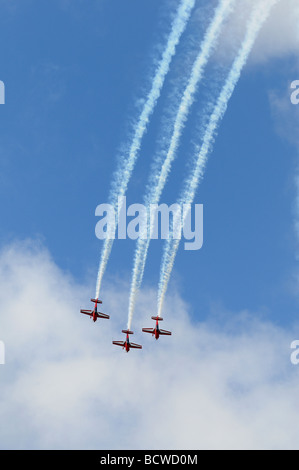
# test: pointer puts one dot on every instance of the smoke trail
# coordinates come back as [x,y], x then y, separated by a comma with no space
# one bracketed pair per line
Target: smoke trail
[159,178]
[257,19]
[123,174]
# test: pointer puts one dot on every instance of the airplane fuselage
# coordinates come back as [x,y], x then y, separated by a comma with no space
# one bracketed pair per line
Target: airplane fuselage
[157,331]
[127,344]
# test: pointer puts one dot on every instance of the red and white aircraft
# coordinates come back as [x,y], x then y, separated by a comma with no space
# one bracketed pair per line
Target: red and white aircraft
[94,314]
[156,332]
[126,344]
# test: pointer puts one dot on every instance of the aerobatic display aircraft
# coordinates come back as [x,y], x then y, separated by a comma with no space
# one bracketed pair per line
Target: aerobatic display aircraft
[126,344]
[156,332]
[94,314]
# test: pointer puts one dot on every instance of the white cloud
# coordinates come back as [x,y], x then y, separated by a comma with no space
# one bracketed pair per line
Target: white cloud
[65,386]
[278,38]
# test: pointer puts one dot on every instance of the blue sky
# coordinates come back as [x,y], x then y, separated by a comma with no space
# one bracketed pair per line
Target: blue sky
[70,92]
[74,74]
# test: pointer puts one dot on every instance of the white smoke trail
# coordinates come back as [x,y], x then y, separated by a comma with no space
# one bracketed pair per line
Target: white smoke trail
[123,174]
[159,179]
[257,19]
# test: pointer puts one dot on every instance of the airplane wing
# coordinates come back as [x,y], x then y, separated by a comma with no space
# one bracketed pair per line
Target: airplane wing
[103,315]
[86,312]
[135,346]
[164,332]
[148,330]
[119,343]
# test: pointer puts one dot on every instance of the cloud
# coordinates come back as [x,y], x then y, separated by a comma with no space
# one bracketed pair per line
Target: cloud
[209,385]
[278,38]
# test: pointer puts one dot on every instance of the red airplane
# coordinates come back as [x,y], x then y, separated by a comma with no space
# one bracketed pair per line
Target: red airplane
[156,332]
[94,314]
[126,344]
